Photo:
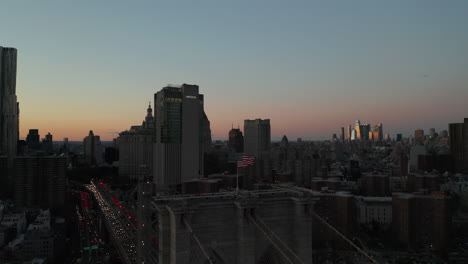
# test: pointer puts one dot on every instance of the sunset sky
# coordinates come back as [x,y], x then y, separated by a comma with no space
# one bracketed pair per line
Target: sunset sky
[309,66]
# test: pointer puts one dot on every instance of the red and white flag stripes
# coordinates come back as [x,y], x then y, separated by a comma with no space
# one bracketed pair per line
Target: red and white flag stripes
[246,161]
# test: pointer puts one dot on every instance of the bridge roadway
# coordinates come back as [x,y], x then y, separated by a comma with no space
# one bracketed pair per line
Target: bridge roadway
[121,229]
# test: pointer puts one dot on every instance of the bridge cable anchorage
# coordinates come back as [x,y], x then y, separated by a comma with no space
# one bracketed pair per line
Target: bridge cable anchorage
[202,248]
[255,220]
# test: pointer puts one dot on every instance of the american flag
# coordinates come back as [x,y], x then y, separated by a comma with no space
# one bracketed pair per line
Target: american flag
[246,161]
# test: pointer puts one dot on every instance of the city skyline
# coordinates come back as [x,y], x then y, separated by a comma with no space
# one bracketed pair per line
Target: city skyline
[310,68]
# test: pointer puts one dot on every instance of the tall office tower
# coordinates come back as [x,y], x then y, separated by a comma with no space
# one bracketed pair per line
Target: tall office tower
[236,140]
[365,129]
[47,143]
[378,132]
[93,148]
[419,136]
[334,138]
[357,130]
[32,139]
[458,133]
[349,133]
[371,136]
[342,134]
[399,137]
[387,137]
[432,133]
[182,132]
[136,148]
[9,110]
[39,181]
[257,137]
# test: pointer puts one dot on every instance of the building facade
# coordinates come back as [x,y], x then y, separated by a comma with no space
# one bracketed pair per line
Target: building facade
[93,148]
[136,148]
[257,137]
[9,110]
[236,140]
[181,134]
[458,134]
[40,181]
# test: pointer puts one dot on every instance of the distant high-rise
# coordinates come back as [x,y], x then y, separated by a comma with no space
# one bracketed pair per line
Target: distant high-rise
[357,130]
[458,133]
[349,133]
[443,134]
[32,139]
[93,148]
[236,140]
[9,110]
[399,137]
[365,129]
[342,135]
[257,138]
[419,136]
[182,131]
[378,132]
[47,143]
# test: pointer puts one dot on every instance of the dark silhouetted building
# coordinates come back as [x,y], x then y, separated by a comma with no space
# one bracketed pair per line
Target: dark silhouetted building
[93,148]
[421,221]
[399,137]
[182,131]
[32,139]
[47,143]
[9,110]
[40,181]
[136,148]
[257,137]
[459,145]
[375,185]
[349,133]
[440,163]
[236,140]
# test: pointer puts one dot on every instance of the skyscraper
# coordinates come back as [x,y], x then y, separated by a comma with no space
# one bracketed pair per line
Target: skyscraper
[378,132]
[257,137]
[357,130]
[181,132]
[458,133]
[349,133]
[365,129]
[236,140]
[93,148]
[342,134]
[9,112]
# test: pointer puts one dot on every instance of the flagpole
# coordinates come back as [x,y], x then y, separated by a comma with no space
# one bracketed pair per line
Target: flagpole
[237,179]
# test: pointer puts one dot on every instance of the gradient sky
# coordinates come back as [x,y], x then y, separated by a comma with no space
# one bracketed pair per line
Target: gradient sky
[309,66]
